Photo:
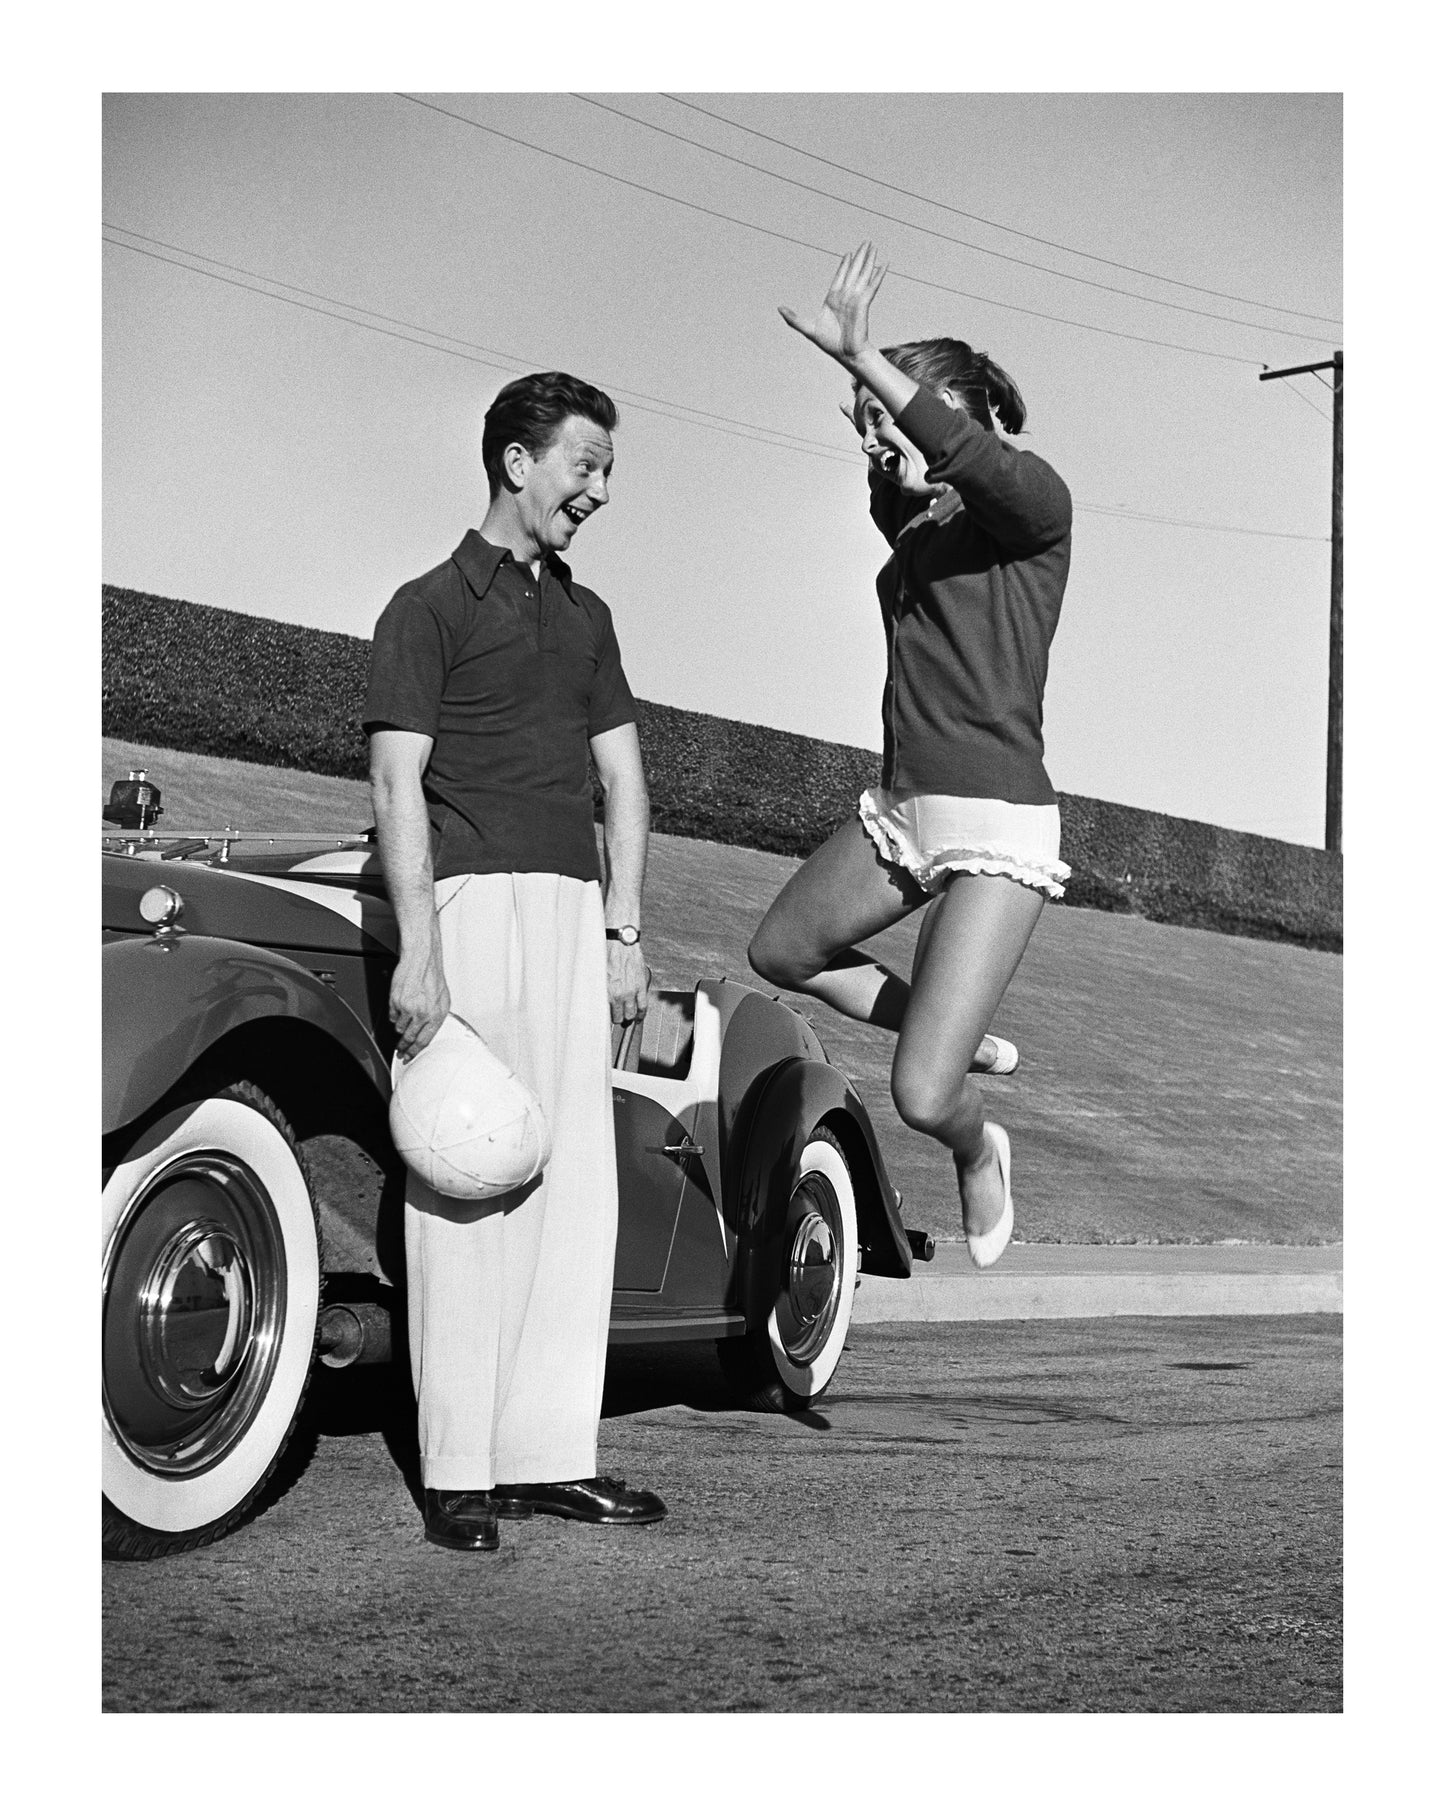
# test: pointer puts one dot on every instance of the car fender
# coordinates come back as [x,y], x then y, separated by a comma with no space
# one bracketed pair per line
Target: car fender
[793,1099]
[167,998]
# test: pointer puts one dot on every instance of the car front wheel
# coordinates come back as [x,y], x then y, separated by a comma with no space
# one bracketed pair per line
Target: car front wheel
[804,1302]
[210,1289]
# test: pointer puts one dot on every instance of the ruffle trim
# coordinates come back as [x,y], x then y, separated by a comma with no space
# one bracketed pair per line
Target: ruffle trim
[984,858]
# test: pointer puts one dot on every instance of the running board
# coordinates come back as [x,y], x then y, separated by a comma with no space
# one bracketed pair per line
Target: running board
[631,1323]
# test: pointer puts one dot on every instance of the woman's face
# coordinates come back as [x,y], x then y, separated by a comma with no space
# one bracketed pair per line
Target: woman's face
[887,450]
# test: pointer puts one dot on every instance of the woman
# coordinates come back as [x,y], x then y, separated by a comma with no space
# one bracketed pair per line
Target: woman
[966,820]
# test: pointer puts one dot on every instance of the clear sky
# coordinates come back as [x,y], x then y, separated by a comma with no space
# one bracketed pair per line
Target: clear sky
[269,457]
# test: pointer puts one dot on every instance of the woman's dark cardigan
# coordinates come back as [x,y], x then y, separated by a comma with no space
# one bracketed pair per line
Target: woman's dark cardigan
[970,601]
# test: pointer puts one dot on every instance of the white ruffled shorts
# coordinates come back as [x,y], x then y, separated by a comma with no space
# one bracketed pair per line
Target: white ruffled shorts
[932,837]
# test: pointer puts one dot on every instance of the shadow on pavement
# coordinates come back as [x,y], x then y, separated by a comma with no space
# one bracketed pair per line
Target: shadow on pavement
[367,1401]
[378,1400]
[650,1377]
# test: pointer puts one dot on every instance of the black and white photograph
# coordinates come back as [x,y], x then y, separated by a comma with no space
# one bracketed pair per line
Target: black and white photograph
[722,849]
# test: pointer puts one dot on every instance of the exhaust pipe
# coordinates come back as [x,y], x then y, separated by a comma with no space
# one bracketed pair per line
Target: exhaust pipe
[353,1335]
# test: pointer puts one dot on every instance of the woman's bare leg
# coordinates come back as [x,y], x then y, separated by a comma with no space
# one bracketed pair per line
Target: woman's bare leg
[969,947]
[972,943]
[987,1052]
[841,894]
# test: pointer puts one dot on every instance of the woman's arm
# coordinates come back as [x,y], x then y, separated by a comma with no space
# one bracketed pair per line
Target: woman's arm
[1011,493]
[840,327]
[1014,495]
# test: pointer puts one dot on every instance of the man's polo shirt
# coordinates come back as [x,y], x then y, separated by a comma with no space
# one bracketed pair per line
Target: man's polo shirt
[510,676]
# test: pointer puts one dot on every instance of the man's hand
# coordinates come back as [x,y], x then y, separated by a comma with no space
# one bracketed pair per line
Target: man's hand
[420,1000]
[627,977]
[840,326]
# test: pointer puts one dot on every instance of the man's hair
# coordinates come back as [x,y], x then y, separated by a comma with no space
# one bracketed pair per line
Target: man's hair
[529,411]
[986,390]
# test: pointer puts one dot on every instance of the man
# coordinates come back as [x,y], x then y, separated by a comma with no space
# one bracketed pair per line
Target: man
[491,676]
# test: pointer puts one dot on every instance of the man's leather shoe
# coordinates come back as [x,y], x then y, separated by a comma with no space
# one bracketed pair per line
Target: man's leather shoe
[461,1520]
[597,1501]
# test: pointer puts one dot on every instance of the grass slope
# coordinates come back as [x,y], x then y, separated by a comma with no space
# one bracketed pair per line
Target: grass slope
[1176,1085]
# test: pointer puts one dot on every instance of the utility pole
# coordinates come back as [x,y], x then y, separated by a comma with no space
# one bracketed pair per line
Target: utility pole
[1334,729]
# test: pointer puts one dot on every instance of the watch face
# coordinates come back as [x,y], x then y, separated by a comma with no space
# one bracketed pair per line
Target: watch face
[628,935]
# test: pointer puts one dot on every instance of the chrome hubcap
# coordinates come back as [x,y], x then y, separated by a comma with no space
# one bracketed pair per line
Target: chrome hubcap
[195,1311]
[813,1277]
[195,1297]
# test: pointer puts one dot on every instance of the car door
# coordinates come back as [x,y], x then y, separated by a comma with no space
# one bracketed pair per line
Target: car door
[651,1172]
[664,1084]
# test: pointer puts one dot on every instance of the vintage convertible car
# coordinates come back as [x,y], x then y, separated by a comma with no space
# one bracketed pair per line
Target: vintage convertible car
[250,1212]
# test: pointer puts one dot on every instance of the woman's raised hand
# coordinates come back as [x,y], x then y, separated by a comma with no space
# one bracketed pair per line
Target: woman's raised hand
[840,326]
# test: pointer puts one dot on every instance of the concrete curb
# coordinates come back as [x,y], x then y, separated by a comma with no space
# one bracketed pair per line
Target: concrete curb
[1217,1280]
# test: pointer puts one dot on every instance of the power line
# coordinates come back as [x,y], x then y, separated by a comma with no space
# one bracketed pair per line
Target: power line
[1202,526]
[731,219]
[777,436]
[335,308]
[980,219]
[254,288]
[259,276]
[968,244]
[1306,400]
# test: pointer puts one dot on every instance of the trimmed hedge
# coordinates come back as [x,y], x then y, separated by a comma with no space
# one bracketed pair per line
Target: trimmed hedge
[207,680]
[235,686]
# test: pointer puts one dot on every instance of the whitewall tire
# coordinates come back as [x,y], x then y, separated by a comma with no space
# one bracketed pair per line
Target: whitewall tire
[210,1292]
[793,1349]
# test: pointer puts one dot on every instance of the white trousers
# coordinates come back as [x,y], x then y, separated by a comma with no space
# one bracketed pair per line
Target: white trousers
[508,1300]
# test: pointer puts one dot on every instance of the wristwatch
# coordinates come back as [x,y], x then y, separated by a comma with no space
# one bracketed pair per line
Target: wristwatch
[627,934]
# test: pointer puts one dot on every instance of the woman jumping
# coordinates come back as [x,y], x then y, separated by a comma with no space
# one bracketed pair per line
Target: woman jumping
[966,820]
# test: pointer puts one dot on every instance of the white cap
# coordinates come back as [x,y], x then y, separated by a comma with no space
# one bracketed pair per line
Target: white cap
[463,1121]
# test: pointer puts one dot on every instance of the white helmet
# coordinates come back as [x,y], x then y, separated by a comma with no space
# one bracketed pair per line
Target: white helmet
[463,1121]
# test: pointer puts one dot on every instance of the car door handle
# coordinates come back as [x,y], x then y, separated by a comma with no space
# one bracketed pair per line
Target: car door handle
[683,1148]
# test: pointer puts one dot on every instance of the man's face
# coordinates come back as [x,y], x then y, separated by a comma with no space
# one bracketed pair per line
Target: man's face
[563,484]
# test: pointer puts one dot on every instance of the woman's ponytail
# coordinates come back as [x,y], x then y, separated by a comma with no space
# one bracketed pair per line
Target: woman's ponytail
[985,388]
[1002,394]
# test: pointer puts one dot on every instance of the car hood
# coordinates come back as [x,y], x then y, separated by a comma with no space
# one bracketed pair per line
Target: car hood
[320,913]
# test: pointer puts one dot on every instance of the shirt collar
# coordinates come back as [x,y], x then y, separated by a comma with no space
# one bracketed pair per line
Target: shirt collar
[479,560]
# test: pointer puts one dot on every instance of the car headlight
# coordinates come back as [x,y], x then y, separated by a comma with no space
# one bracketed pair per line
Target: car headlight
[161,906]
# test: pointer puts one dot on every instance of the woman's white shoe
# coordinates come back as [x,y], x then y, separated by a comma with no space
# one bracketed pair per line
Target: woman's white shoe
[984,1250]
[1005,1057]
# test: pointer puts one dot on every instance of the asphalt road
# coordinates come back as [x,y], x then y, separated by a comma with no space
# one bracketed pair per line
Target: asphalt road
[1109,1514]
